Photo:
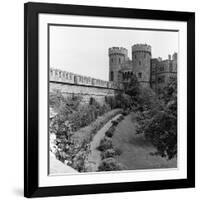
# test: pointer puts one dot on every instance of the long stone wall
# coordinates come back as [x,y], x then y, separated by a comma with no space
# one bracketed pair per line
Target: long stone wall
[60,76]
[75,85]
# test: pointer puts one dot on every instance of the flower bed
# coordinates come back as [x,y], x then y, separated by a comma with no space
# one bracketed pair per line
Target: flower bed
[87,133]
[108,152]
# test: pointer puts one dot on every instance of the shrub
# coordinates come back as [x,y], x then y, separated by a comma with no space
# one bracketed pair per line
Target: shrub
[105,143]
[120,118]
[108,153]
[119,101]
[161,130]
[158,121]
[125,112]
[123,101]
[114,122]
[61,155]
[110,164]
[132,88]
[104,109]
[111,153]
[118,151]
[63,105]
[110,131]
[110,100]
[78,162]
[87,114]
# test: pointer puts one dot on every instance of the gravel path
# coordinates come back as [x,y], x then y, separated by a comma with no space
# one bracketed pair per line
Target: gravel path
[94,158]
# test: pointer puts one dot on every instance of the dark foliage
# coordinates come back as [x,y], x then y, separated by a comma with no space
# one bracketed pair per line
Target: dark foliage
[157,117]
[105,143]
[110,131]
[132,88]
[110,164]
[71,115]
[108,153]
[114,122]
[120,100]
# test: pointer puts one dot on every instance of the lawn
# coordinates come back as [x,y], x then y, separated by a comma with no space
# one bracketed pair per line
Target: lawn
[136,149]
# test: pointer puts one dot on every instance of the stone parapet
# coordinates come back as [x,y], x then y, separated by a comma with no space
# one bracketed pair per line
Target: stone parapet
[118,50]
[141,48]
[64,77]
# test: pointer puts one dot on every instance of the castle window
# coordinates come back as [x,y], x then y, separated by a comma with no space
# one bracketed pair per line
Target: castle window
[139,62]
[140,75]
[111,76]
[59,74]
[162,68]
[144,55]
[153,69]
[119,60]
[170,67]
[135,56]
[112,60]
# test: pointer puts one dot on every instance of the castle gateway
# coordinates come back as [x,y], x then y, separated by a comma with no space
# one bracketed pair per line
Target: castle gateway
[150,72]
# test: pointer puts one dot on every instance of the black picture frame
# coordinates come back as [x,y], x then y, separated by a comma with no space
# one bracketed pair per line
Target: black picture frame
[31,12]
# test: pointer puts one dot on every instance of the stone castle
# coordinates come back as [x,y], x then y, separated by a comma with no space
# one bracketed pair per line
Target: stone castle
[150,72]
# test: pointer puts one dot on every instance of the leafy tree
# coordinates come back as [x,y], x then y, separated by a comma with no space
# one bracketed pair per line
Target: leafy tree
[159,121]
[132,88]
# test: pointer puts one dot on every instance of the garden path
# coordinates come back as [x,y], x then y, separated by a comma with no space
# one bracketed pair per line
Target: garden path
[94,157]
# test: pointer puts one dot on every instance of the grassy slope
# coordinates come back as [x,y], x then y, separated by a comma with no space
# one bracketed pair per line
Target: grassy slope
[136,150]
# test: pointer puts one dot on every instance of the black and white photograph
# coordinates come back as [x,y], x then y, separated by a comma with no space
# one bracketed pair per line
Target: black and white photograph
[109,99]
[112,99]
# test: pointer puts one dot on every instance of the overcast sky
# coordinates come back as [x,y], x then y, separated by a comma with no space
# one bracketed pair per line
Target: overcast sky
[85,50]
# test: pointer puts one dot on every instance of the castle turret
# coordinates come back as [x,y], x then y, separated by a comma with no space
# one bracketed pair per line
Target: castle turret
[141,58]
[117,56]
[174,56]
[174,62]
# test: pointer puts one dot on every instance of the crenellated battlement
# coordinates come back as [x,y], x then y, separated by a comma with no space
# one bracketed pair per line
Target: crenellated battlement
[61,76]
[118,50]
[141,48]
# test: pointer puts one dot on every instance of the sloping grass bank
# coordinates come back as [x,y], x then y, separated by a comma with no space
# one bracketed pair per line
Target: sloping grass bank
[136,150]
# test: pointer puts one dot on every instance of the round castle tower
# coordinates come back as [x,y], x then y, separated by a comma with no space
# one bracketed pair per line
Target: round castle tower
[117,56]
[141,58]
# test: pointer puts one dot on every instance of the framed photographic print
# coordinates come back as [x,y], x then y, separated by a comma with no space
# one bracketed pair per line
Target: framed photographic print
[109,99]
